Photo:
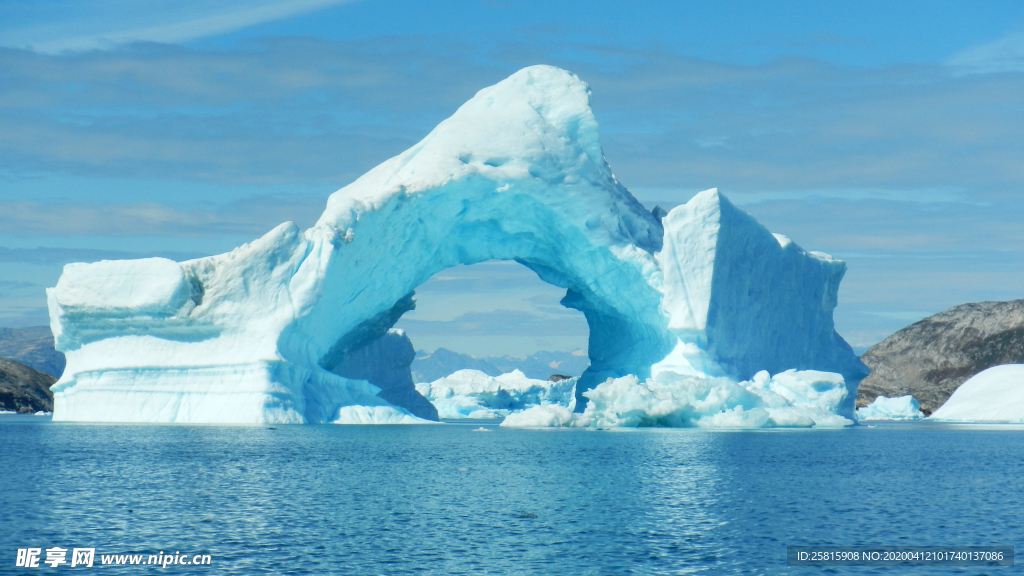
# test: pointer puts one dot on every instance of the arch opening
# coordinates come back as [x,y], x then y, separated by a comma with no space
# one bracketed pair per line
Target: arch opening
[418,236]
[493,339]
[494,309]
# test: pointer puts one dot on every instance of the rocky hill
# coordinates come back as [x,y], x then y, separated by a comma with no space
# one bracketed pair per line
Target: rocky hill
[23,389]
[931,358]
[33,347]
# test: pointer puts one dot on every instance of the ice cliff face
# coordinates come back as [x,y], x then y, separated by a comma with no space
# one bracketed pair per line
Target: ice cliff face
[517,173]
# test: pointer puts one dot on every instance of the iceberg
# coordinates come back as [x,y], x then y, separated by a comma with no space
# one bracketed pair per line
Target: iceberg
[901,408]
[992,395]
[474,394]
[703,297]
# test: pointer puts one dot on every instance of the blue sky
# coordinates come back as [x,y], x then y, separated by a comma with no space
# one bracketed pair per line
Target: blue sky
[887,136]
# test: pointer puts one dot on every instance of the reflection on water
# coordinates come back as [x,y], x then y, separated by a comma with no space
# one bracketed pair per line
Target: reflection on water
[444,500]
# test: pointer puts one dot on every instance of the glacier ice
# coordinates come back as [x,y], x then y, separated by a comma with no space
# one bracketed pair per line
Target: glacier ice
[992,395]
[473,394]
[883,408]
[703,298]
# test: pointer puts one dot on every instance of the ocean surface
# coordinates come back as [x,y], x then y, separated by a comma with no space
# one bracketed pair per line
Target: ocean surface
[452,500]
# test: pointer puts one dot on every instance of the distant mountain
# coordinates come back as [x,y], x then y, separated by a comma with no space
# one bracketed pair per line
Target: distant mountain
[542,365]
[23,389]
[32,347]
[930,359]
[430,366]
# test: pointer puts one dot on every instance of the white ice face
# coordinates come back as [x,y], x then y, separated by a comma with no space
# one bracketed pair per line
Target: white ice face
[993,395]
[517,173]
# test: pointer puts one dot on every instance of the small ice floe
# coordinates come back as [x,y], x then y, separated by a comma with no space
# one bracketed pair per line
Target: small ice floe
[462,469]
[41,413]
[902,408]
[7,412]
[482,429]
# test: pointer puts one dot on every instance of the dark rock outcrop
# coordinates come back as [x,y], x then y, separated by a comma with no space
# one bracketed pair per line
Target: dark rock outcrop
[385,362]
[24,390]
[33,347]
[931,358]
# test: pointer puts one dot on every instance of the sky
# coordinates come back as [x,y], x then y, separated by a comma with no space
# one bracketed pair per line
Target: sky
[887,136]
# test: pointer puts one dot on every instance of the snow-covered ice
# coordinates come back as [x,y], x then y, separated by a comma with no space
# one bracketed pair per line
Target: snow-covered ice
[992,395]
[789,399]
[901,408]
[690,306]
[473,394]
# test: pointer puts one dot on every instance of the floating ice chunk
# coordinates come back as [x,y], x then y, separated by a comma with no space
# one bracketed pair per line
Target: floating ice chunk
[993,395]
[794,418]
[735,418]
[548,416]
[825,390]
[43,413]
[2,412]
[473,394]
[377,415]
[790,399]
[901,408]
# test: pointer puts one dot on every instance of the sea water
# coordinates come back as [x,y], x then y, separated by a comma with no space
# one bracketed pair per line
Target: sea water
[451,499]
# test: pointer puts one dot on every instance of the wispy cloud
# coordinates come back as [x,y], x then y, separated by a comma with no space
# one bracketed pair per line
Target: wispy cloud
[499,331]
[499,322]
[293,110]
[8,287]
[1003,55]
[252,218]
[179,22]
[60,256]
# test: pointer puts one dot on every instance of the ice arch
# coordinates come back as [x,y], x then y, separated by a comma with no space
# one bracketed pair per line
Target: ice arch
[517,173]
